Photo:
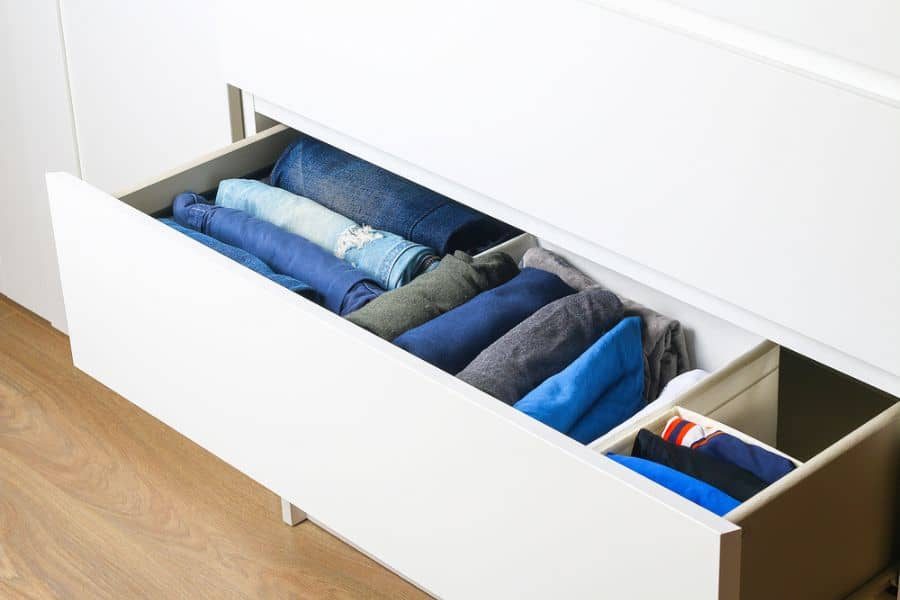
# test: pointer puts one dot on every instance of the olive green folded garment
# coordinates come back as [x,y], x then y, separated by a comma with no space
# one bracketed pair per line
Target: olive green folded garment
[457,279]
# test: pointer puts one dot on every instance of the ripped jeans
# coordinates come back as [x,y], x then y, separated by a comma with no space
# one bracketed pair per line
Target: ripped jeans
[388,258]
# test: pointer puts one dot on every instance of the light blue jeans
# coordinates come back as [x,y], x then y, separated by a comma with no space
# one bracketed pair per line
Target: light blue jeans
[388,258]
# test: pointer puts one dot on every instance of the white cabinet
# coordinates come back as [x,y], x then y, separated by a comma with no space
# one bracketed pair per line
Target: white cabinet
[36,123]
[116,92]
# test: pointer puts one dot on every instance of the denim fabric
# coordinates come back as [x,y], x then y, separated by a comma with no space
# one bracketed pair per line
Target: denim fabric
[543,344]
[765,465]
[731,479]
[248,260]
[457,279]
[665,348]
[342,287]
[452,340]
[369,194]
[388,258]
[599,390]
[696,491]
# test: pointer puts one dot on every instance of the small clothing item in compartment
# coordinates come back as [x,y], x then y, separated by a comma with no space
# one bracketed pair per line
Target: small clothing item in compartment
[369,194]
[543,344]
[457,279]
[731,479]
[766,465]
[665,348]
[597,391]
[342,288]
[696,491]
[451,340]
[391,260]
[248,260]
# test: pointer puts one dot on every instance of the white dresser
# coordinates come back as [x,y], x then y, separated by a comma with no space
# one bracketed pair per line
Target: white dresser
[745,183]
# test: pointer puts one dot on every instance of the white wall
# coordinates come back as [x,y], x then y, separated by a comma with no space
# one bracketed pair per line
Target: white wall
[37,136]
[115,92]
[146,87]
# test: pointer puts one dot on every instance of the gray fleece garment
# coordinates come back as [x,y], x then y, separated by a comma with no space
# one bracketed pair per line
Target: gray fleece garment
[457,279]
[543,344]
[664,345]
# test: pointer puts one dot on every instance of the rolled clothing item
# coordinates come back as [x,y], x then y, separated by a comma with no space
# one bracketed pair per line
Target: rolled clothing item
[766,465]
[543,344]
[731,479]
[698,492]
[342,288]
[451,340]
[457,279]
[665,348]
[389,259]
[369,194]
[597,391]
[248,260]
[673,390]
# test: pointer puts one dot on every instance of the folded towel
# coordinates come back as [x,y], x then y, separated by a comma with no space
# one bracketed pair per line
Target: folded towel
[599,390]
[696,491]
[457,279]
[389,259]
[369,194]
[248,260]
[543,344]
[731,479]
[665,348]
[766,465]
[451,340]
[342,288]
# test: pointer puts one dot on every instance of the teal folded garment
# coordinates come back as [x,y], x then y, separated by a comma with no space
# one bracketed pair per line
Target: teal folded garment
[698,492]
[388,258]
[600,389]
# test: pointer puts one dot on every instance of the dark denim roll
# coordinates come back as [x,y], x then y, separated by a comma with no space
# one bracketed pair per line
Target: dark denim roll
[342,288]
[731,479]
[452,340]
[374,196]
[248,260]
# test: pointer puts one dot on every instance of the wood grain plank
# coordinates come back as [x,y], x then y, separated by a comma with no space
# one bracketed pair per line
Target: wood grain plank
[99,499]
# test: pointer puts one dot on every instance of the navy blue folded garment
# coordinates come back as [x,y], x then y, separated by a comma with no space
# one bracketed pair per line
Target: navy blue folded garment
[248,260]
[343,288]
[696,491]
[731,479]
[768,466]
[374,196]
[451,340]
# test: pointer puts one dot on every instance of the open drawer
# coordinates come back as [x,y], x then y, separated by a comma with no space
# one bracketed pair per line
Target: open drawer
[454,490]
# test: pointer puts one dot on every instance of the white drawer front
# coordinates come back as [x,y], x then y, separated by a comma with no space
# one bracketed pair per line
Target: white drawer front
[766,197]
[453,489]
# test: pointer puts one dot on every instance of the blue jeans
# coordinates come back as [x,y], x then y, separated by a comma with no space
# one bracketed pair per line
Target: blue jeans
[388,258]
[369,194]
[342,287]
[248,260]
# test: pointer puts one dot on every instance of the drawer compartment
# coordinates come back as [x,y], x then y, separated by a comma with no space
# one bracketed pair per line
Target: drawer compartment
[419,470]
[828,525]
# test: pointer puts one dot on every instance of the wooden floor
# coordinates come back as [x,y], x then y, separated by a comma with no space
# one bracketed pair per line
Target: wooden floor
[100,500]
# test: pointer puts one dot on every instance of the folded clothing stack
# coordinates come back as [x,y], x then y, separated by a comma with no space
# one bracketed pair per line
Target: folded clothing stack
[736,469]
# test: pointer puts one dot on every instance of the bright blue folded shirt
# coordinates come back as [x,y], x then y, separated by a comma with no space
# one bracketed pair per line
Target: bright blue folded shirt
[248,260]
[453,339]
[343,288]
[696,491]
[369,194]
[599,390]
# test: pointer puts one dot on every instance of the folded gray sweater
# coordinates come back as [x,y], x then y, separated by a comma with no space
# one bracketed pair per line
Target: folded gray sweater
[543,344]
[457,279]
[665,349]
